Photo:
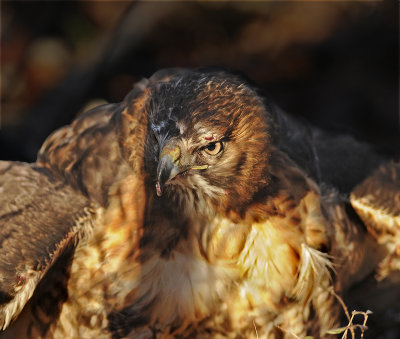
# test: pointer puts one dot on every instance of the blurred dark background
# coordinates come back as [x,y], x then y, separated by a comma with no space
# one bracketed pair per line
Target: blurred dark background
[335,64]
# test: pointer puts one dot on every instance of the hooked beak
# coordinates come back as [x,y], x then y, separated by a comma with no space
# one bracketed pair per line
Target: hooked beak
[169,166]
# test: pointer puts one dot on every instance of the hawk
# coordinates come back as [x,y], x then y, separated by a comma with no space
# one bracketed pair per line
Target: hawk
[194,208]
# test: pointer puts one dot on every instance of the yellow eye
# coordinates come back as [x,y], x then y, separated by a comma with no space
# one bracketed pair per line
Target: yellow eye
[213,148]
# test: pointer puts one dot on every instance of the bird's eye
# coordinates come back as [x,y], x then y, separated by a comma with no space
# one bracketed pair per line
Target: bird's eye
[213,148]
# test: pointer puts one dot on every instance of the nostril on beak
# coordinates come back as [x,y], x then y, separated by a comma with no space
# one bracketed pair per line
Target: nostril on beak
[173,152]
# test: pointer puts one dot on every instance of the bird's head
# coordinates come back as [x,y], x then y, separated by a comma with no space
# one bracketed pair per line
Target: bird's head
[208,140]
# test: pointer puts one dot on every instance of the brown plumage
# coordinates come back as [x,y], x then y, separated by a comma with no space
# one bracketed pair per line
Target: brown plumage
[194,208]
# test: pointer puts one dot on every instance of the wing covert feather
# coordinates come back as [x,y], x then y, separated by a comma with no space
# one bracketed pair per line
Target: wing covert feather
[39,216]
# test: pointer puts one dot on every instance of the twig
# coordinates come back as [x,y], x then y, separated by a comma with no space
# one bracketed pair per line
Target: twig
[350,326]
[346,311]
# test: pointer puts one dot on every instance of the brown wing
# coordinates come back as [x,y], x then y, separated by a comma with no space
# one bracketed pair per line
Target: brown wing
[86,154]
[39,217]
[377,202]
[377,199]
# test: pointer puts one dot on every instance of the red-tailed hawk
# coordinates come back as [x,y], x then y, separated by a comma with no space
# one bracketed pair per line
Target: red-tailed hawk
[192,209]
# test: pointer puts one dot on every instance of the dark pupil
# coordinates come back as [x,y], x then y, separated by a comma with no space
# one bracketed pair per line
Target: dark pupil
[211,147]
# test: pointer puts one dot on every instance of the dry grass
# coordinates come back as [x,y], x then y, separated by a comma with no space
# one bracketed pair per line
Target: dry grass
[345,330]
[350,327]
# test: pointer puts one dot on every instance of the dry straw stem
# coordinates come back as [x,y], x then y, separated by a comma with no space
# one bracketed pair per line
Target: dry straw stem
[350,326]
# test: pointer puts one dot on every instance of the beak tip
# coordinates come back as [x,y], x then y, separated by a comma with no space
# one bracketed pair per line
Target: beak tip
[158,189]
